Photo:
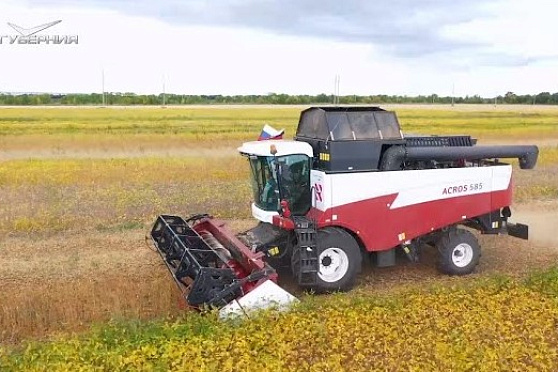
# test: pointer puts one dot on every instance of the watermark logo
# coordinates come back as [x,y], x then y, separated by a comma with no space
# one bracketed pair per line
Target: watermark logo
[29,35]
[32,30]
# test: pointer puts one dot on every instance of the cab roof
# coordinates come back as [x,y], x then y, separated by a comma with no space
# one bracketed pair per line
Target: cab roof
[284,147]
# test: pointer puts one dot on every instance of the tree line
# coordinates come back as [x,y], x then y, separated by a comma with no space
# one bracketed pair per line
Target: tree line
[108,99]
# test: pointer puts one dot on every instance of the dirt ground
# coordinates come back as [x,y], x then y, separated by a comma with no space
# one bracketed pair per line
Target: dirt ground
[542,218]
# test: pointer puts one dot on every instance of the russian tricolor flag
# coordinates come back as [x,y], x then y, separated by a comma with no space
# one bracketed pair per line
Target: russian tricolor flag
[268,132]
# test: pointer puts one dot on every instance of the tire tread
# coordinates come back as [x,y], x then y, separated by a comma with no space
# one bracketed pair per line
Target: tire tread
[336,236]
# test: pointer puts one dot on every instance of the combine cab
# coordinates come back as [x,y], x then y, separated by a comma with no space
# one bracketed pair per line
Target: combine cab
[350,183]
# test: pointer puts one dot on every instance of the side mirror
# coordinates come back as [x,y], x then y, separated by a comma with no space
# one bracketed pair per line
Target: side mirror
[285,209]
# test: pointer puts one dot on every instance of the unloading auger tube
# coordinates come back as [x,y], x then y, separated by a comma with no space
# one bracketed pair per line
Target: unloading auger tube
[396,155]
[212,268]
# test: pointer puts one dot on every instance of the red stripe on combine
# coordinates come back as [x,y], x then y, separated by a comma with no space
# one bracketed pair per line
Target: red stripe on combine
[379,227]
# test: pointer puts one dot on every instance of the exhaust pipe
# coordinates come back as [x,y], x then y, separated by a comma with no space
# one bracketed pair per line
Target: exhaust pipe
[395,156]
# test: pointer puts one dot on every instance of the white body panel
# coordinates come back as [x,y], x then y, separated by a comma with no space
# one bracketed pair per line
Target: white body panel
[412,186]
[261,215]
[321,189]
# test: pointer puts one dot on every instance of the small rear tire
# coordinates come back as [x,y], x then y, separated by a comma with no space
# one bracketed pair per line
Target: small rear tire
[459,252]
[339,260]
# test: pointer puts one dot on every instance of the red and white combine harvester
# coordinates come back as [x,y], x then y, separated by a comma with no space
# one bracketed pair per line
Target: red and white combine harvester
[349,184]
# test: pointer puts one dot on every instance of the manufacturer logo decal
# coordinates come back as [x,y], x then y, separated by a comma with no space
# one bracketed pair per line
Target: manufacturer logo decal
[461,189]
[318,192]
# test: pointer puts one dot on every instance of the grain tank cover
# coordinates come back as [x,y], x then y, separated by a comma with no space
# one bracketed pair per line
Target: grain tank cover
[348,123]
[348,139]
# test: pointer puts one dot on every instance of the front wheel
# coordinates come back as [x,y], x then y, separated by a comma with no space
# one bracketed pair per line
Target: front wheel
[339,260]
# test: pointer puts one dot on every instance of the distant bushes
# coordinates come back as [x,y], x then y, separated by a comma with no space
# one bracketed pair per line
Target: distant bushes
[544,98]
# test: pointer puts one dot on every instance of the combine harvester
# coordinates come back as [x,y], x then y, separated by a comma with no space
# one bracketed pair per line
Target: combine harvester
[349,184]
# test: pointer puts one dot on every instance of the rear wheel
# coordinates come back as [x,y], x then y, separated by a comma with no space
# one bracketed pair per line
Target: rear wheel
[339,260]
[459,252]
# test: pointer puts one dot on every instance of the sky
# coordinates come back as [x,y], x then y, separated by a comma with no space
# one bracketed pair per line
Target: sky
[403,47]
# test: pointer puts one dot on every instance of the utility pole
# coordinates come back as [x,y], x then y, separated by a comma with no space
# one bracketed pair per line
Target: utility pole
[103,84]
[334,100]
[452,94]
[163,90]
[336,89]
[338,83]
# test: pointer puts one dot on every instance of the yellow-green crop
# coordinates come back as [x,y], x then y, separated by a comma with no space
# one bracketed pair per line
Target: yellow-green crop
[493,325]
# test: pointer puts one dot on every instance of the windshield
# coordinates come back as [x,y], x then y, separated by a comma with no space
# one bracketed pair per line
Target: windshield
[294,173]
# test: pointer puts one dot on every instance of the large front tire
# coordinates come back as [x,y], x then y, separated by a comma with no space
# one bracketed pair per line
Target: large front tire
[339,260]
